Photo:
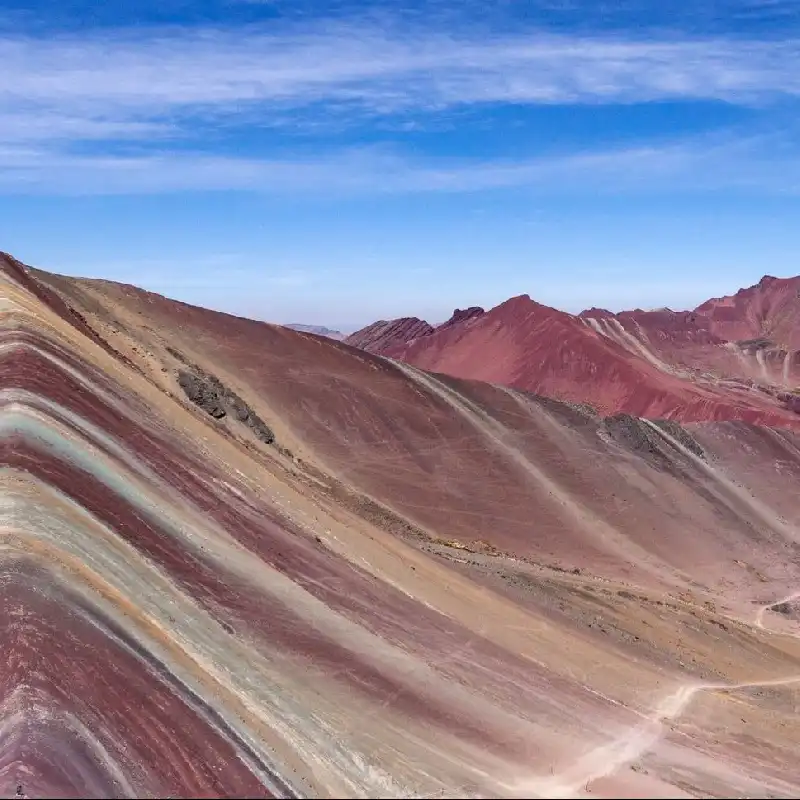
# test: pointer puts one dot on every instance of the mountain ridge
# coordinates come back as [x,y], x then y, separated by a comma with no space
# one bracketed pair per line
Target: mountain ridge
[678,364]
[302,569]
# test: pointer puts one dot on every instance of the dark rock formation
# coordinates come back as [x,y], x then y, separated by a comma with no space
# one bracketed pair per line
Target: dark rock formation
[203,393]
[680,434]
[637,435]
[462,315]
[788,608]
[210,394]
[632,433]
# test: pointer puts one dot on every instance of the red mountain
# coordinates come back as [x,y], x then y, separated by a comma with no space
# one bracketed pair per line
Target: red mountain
[383,334]
[731,358]
[770,309]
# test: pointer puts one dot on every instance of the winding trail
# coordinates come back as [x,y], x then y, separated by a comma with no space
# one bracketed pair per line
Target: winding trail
[624,750]
[608,758]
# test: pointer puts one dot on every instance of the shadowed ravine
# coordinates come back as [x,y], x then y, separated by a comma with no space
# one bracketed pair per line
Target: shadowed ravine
[413,586]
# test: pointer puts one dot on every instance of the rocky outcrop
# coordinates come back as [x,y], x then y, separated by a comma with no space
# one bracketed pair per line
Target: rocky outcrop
[462,315]
[640,436]
[203,393]
[217,400]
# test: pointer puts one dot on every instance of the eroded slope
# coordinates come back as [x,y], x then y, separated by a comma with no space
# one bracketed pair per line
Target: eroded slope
[421,586]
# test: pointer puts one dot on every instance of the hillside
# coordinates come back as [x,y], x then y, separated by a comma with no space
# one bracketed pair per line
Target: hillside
[299,569]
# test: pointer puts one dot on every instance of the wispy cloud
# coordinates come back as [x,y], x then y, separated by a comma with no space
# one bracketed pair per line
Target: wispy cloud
[68,103]
[165,73]
[700,164]
[47,125]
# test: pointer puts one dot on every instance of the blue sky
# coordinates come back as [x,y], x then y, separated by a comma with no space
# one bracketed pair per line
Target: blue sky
[336,162]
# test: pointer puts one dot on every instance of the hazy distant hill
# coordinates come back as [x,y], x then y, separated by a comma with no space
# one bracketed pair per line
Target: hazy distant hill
[320,330]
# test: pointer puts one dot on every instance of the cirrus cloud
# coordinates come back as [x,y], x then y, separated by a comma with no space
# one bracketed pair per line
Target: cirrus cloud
[125,110]
[127,76]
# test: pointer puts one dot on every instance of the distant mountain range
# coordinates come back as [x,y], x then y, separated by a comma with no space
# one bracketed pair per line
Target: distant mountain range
[731,358]
[319,330]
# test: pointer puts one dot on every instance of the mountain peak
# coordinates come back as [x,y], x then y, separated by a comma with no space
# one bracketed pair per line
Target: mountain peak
[385,334]
[462,315]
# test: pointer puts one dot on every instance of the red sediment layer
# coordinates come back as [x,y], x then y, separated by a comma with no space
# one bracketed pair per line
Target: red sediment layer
[69,659]
[341,586]
[538,349]
[380,335]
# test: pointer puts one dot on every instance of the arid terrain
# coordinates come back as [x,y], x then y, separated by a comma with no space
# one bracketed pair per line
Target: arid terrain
[731,358]
[245,561]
